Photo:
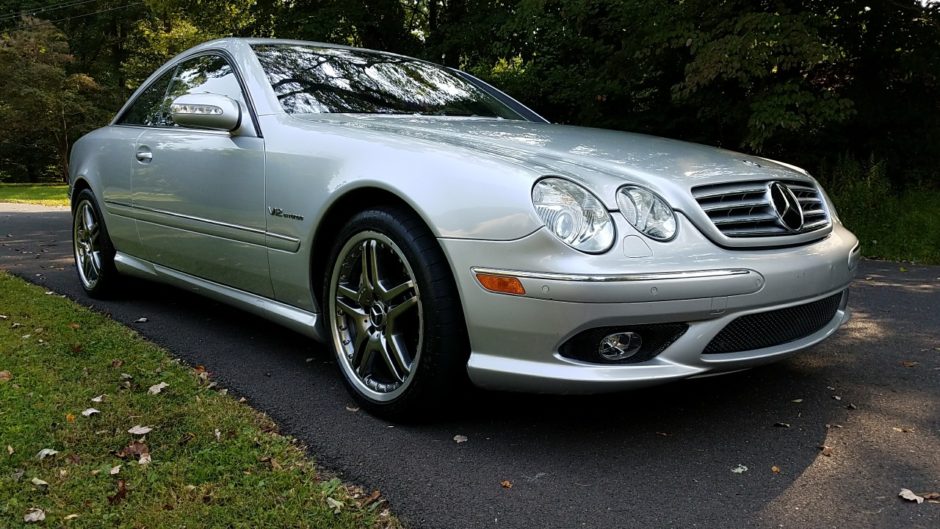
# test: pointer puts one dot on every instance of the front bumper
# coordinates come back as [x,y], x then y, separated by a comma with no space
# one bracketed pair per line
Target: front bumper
[515,340]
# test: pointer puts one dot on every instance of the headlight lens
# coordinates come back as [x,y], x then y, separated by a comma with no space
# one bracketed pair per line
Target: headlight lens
[573,214]
[647,212]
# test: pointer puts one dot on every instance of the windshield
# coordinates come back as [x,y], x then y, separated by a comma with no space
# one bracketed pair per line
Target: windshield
[311,79]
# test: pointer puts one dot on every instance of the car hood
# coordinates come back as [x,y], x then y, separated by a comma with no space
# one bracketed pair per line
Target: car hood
[601,159]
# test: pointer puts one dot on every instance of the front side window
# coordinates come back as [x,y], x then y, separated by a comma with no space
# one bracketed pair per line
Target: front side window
[204,74]
[150,109]
[310,79]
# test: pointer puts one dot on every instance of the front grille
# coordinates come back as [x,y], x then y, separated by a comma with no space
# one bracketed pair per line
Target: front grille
[767,329]
[744,209]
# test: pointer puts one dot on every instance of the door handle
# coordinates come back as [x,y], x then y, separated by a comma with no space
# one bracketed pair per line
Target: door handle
[144,156]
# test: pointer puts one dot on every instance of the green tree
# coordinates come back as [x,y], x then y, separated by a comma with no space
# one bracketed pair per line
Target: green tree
[43,108]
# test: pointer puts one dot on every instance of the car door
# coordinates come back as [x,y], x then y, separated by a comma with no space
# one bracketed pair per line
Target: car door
[199,194]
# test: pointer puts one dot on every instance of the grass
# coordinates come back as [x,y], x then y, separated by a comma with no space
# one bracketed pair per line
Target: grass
[215,462]
[42,194]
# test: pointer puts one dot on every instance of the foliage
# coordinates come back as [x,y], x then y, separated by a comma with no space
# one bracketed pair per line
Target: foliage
[900,225]
[799,80]
[44,108]
[210,461]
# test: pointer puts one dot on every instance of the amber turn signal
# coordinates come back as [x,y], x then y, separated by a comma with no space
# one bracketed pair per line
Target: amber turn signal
[501,284]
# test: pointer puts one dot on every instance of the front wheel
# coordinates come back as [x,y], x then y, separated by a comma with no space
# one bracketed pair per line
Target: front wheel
[94,253]
[394,315]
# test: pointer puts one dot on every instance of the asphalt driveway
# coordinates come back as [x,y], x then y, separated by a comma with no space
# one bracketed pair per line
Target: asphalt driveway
[661,457]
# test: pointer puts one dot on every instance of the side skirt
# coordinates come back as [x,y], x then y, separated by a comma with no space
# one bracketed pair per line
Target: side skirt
[298,320]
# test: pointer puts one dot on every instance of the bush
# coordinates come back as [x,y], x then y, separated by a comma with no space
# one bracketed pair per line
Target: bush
[891,224]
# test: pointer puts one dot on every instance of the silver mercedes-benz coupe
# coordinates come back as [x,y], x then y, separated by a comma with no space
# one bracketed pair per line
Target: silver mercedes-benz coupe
[429,228]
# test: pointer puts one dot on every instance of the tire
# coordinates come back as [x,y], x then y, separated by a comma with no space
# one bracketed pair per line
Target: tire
[393,316]
[91,247]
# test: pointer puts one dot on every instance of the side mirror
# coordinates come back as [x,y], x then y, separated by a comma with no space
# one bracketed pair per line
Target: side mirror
[206,111]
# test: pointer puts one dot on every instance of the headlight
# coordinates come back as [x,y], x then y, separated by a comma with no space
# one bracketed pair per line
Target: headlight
[573,214]
[647,212]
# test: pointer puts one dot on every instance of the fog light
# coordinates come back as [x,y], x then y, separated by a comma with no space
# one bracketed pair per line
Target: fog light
[619,346]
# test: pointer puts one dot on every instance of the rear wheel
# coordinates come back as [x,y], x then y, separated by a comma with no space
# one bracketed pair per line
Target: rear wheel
[394,315]
[94,253]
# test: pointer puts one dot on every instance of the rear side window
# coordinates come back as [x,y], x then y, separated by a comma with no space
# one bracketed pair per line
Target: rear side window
[151,108]
[204,74]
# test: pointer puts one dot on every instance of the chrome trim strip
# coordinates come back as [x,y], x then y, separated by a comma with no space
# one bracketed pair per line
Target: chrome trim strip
[585,278]
[294,242]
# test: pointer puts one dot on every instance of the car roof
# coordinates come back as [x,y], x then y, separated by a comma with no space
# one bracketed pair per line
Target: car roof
[234,43]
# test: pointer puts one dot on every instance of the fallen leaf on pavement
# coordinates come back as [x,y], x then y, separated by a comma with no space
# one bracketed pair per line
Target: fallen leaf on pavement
[140,430]
[826,450]
[902,430]
[797,400]
[851,407]
[89,412]
[34,515]
[5,376]
[120,494]
[46,452]
[460,439]
[932,497]
[837,397]
[910,496]
[141,320]
[371,498]
[506,484]
[157,388]
[352,408]
[908,363]
[775,469]
[740,469]
[782,424]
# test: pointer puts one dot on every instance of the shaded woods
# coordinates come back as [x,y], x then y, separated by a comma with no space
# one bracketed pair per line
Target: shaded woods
[847,89]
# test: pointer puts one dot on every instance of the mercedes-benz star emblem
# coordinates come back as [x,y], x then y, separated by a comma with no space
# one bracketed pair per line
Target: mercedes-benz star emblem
[787,206]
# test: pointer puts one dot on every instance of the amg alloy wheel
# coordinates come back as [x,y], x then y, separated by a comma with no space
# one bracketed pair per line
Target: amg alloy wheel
[376,321]
[393,315]
[94,254]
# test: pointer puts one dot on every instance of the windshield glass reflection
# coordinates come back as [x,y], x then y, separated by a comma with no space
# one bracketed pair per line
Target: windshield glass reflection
[311,79]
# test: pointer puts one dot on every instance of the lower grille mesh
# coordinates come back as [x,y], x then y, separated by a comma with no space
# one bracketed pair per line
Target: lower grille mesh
[766,329]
